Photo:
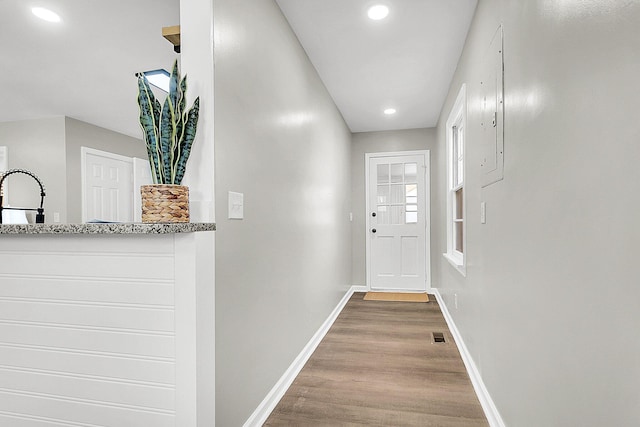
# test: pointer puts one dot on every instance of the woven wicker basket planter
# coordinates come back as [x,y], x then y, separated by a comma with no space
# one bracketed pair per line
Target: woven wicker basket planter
[165,203]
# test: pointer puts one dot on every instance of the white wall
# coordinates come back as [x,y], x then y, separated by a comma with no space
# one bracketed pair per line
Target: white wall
[280,140]
[196,61]
[38,146]
[376,142]
[549,305]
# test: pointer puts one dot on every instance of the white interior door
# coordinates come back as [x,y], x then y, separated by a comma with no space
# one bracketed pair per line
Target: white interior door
[107,186]
[141,176]
[397,218]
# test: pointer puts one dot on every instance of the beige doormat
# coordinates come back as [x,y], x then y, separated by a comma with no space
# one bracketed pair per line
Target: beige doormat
[396,296]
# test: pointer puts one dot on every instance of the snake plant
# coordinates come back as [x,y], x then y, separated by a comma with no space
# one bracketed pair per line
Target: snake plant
[168,128]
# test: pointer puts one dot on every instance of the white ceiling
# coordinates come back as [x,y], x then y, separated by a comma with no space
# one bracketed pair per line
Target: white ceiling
[405,61]
[83,67]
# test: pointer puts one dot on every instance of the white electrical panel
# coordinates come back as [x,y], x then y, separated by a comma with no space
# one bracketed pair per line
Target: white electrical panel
[492,116]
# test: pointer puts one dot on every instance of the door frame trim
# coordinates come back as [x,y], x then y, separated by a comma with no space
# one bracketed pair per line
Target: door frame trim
[427,210]
[4,166]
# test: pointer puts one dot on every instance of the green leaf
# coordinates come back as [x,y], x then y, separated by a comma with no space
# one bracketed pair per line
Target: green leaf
[183,95]
[180,111]
[187,142]
[166,132]
[175,92]
[150,122]
[181,117]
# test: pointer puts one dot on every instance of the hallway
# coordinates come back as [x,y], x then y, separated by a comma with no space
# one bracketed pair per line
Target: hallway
[378,366]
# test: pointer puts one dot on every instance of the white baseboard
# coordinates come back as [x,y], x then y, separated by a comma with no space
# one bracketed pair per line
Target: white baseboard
[360,288]
[269,403]
[490,409]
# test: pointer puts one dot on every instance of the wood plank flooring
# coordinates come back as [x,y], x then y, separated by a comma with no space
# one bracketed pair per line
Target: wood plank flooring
[378,366]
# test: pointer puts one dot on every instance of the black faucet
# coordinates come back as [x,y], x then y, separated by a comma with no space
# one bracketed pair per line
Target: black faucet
[40,210]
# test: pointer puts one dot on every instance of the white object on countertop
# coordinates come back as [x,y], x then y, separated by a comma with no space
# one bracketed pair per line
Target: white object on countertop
[14,217]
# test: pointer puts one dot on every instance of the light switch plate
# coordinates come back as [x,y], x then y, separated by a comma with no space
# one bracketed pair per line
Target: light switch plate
[236,205]
[483,213]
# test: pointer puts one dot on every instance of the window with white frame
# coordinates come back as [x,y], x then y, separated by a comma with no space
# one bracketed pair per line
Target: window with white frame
[455,138]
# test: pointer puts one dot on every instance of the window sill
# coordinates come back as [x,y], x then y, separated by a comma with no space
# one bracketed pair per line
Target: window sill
[456,264]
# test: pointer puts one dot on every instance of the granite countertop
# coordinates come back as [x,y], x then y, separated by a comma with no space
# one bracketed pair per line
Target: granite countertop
[107,228]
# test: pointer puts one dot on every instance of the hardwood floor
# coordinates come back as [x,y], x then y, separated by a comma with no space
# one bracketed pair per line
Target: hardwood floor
[378,366]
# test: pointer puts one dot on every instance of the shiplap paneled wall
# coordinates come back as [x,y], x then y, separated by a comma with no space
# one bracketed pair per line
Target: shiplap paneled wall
[88,330]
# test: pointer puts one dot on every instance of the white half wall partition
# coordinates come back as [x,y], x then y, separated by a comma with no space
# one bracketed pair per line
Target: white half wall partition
[102,329]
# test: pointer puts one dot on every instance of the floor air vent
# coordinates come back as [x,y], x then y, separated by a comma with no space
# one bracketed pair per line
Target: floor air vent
[438,337]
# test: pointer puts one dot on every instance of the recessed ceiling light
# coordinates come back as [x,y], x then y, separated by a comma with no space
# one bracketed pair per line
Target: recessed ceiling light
[390,111]
[378,12]
[158,78]
[45,14]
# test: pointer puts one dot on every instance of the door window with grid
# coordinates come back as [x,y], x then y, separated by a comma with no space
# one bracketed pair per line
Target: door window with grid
[397,193]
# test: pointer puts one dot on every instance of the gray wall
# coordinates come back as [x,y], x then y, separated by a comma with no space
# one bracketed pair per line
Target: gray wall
[549,307]
[81,134]
[49,147]
[38,146]
[280,140]
[376,142]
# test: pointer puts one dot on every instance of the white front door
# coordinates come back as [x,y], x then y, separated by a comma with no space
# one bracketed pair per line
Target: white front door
[107,186]
[397,219]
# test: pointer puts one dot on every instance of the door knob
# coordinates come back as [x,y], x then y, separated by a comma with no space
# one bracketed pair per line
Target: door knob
[373,230]
[373,214]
